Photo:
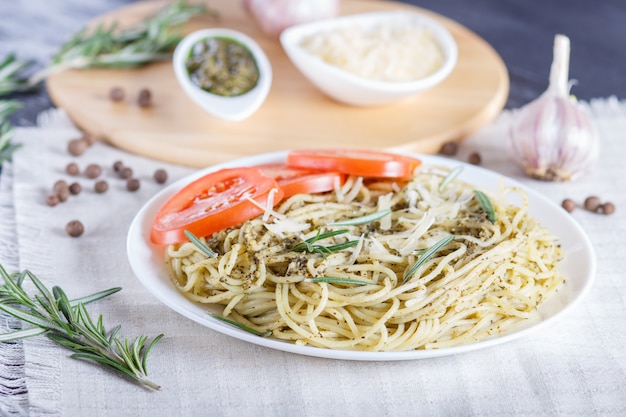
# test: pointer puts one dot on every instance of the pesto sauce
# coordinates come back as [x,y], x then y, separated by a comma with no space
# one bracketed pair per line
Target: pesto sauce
[222,66]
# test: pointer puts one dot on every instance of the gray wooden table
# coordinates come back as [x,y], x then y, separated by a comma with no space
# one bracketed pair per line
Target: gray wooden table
[522,32]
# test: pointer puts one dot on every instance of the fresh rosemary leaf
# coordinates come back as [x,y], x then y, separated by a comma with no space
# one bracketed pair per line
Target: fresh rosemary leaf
[307,245]
[340,246]
[144,358]
[94,297]
[150,40]
[241,326]
[450,177]
[7,150]
[12,78]
[21,334]
[200,244]
[310,246]
[321,236]
[485,203]
[34,318]
[68,323]
[426,256]
[334,280]
[363,219]
[7,107]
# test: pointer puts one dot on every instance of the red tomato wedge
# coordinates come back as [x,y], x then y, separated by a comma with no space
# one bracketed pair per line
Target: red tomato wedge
[212,203]
[302,181]
[361,162]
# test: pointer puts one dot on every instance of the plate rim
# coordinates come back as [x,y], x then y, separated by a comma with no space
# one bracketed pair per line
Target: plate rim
[138,240]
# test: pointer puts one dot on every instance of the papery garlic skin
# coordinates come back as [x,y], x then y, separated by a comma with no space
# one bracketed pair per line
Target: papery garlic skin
[274,16]
[552,138]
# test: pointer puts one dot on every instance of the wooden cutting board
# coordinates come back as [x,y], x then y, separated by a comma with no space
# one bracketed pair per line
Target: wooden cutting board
[295,114]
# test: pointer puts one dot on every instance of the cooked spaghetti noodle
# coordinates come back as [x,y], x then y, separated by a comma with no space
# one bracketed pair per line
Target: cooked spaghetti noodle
[487,281]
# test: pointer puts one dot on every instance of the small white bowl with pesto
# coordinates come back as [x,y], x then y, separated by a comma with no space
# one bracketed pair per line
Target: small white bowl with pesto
[223,71]
[372,58]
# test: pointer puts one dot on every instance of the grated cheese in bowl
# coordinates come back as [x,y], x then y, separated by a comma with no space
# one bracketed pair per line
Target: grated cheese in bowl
[385,53]
[372,58]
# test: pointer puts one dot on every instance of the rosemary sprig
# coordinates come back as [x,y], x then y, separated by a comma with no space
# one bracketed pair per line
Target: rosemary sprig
[363,219]
[426,256]
[335,280]
[200,244]
[68,323]
[310,245]
[241,326]
[7,148]
[7,107]
[485,203]
[12,78]
[150,40]
[450,177]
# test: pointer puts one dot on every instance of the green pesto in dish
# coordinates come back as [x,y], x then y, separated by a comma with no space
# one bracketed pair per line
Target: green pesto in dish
[222,66]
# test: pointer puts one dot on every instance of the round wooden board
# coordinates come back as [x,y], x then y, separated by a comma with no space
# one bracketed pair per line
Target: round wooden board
[295,114]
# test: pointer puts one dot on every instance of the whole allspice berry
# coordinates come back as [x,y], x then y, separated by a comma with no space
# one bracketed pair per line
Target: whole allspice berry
[145,98]
[569,205]
[117,166]
[592,203]
[449,148]
[132,184]
[93,171]
[75,188]
[74,228]
[474,158]
[59,186]
[77,147]
[72,169]
[52,200]
[61,190]
[607,208]
[117,94]
[160,176]
[126,173]
[101,186]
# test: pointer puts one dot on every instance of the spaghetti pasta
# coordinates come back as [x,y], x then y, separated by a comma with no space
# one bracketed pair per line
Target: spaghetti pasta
[487,279]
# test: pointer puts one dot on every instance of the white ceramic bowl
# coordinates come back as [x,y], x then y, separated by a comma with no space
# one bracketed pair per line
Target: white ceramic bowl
[231,108]
[347,88]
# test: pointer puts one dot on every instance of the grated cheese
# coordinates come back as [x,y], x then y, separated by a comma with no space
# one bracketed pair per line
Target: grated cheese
[384,53]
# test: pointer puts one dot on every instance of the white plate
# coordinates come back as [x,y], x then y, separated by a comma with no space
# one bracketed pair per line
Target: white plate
[578,267]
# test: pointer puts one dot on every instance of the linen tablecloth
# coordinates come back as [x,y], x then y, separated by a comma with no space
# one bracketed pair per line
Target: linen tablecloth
[575,367]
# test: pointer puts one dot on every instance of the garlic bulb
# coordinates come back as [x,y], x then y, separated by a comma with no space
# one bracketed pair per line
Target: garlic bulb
[552,138]
[274,16]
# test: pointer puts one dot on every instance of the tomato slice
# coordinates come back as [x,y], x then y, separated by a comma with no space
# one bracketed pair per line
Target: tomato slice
[302,181]
[361,162]
[212,203]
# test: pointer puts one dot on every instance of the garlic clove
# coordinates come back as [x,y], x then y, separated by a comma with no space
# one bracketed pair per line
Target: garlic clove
[274,16]
[552,138]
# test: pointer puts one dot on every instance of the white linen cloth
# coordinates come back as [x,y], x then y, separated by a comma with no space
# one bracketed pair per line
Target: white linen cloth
[575,367]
